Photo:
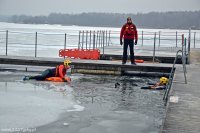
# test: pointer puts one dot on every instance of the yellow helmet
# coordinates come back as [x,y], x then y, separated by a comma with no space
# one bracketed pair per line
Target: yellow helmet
[67,62]
[164,80]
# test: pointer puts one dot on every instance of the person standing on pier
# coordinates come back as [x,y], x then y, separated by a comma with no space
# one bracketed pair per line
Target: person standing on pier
[130,36]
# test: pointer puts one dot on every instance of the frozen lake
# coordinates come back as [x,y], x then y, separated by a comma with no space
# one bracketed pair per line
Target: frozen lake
[51,38]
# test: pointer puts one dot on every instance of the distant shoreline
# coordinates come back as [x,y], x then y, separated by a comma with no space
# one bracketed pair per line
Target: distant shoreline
[152,20]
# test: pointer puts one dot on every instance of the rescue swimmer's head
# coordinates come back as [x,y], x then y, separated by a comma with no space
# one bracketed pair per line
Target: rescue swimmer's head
[164,80]
[67,63]
[129,21]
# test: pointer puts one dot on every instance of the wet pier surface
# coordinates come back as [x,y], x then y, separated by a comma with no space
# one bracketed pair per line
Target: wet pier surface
[142,50]
[183,116]
[86,66]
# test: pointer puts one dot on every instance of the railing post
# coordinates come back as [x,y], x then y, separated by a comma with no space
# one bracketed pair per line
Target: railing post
[35,44]
[189,43]
[184,65]
[109,39]
[79,39]
[189,40]
[194,39]
[93,39]
[106,38]
[86,39]
[183,41]
[159,39]
[65,41]
[154,47]
[82,39]
[6,42]
[142,37]
[103,41]
[186,46]
[184,61]
[97,39]
[90,39]
[176,38]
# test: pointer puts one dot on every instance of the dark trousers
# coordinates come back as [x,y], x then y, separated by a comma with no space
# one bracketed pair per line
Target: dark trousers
[128,42]
[45,74]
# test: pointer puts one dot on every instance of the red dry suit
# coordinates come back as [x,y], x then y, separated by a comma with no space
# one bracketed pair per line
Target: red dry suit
[129,31]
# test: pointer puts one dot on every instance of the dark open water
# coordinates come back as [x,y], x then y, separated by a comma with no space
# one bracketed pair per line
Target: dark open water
[90,104]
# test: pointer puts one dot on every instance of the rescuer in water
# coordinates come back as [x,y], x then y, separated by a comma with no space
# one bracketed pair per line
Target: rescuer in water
[158,86]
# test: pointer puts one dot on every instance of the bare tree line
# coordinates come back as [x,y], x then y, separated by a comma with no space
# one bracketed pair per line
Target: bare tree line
[180,20]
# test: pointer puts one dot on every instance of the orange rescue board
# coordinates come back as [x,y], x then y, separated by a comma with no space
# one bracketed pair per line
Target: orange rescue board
[58,79]
[139,61]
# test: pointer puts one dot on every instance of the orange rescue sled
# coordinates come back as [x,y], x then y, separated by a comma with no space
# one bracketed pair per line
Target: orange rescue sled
[139,61]
[58,79]
[93,54]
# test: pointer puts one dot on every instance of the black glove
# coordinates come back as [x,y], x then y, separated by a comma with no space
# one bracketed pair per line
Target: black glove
[135,42]
[121,42]
[64,80]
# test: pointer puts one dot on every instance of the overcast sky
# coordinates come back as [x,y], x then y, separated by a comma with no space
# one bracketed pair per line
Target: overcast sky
[45,7]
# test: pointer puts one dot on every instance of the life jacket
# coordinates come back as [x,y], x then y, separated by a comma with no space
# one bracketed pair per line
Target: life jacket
[129,31]
[60,71]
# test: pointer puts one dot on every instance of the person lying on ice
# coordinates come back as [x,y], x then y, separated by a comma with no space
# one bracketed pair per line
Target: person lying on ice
[59,71]
[157,86]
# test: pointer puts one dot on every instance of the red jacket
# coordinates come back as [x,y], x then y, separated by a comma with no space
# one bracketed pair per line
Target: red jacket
[129,31]
[61,71]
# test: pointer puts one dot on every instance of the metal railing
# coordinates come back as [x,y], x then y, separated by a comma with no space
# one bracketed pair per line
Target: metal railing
[183,57]
[40,44]
[151,40]
[21,43]
[93,39]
